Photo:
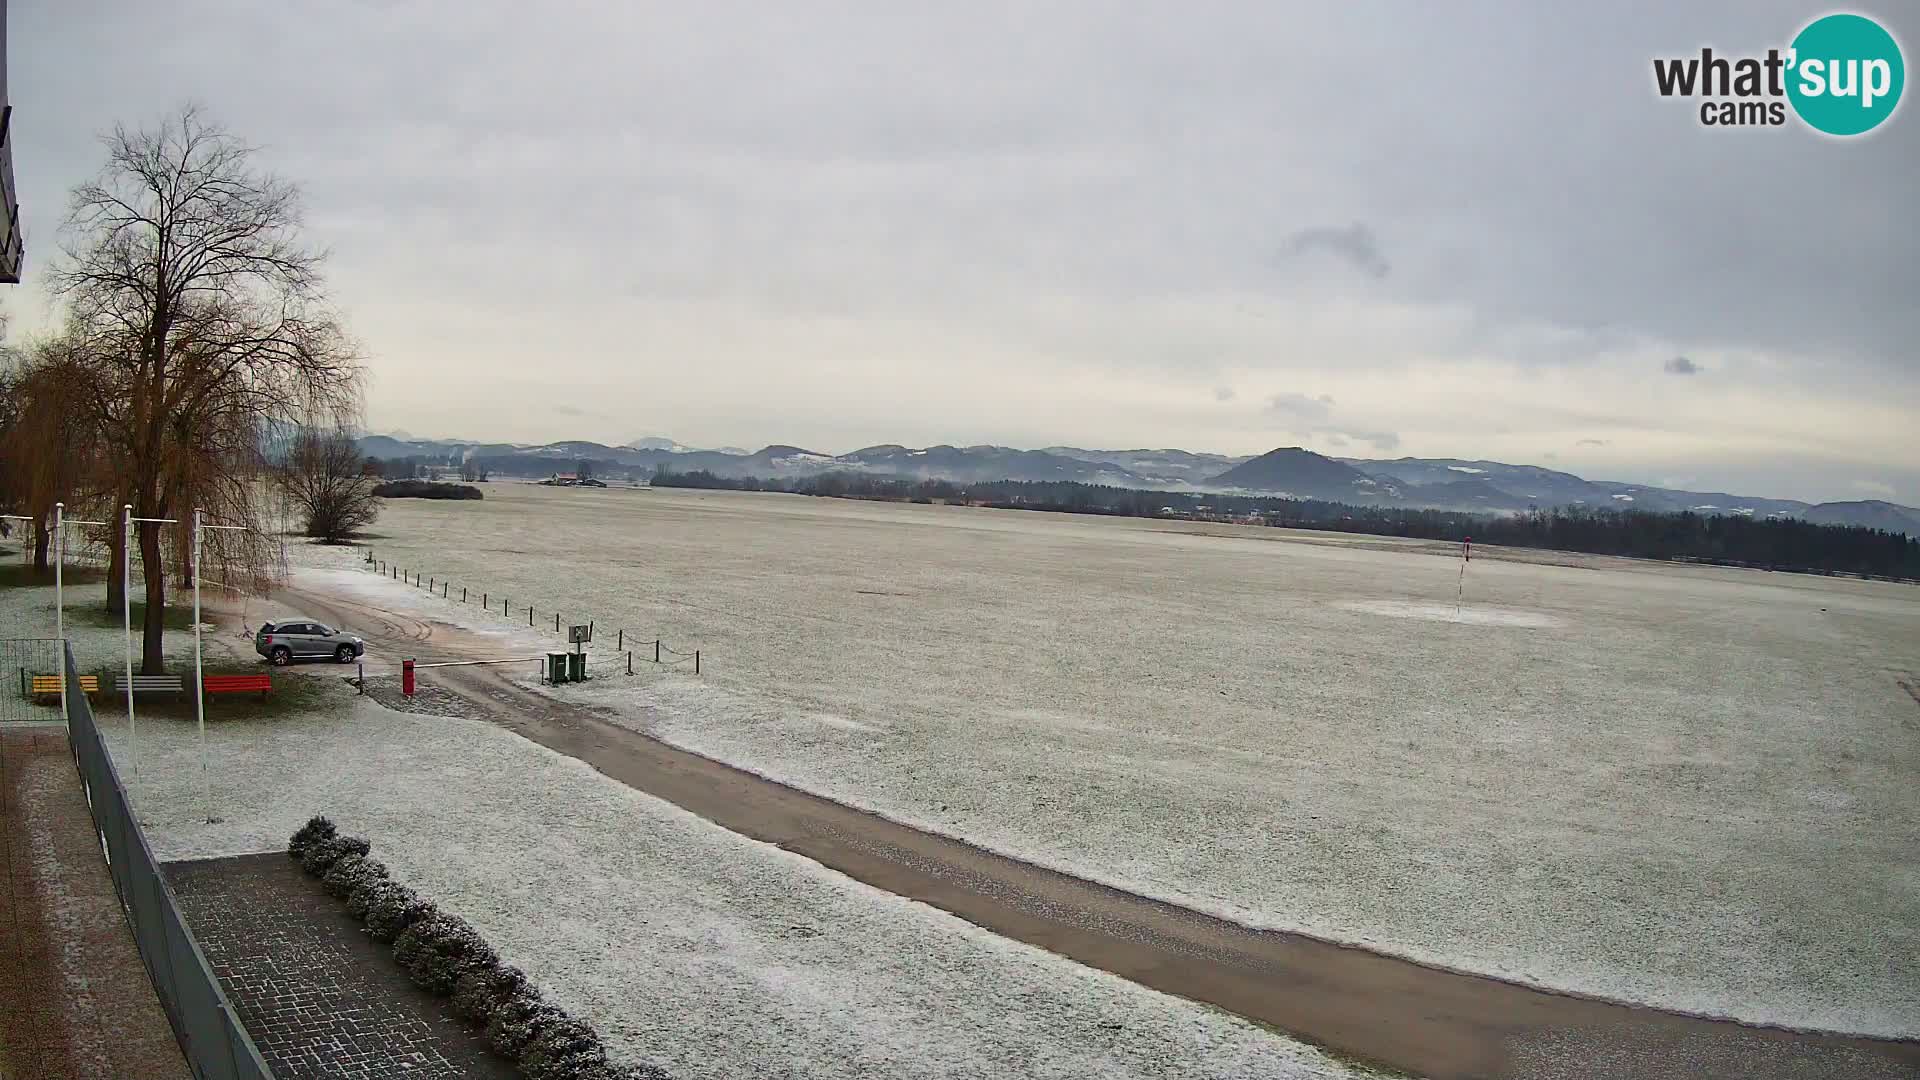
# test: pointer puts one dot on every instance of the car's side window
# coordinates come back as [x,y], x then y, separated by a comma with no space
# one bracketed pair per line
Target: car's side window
[321,630]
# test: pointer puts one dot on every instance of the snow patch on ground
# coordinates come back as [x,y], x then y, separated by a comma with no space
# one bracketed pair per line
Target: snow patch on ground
[1471,614]
[685,944]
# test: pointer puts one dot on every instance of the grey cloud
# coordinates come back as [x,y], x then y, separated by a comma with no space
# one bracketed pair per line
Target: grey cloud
[1300,414]
[1223,393]
[1355,243]
[1680,365]
[783,188]
[1381,440]
[1591,442]
[1874,487]
[1300,408]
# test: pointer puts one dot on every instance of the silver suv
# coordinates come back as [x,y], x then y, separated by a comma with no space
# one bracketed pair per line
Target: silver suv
[294,639]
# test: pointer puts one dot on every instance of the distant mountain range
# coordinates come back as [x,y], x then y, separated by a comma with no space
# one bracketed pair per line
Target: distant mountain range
[1437,483]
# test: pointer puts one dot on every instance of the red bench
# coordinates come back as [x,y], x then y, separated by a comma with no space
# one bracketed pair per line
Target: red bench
[237,684]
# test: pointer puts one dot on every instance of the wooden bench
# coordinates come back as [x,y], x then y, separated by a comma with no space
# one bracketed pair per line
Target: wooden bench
[54,685]
[237,684]
[151,684]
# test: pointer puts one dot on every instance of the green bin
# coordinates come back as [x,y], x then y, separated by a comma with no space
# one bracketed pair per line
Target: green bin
[576,667]
[556,667]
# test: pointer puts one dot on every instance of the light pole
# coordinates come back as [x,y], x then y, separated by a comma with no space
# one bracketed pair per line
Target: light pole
[60,601]
[60,523]
[199,684]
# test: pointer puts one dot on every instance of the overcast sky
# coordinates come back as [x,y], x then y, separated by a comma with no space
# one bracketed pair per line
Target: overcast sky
[1372,230]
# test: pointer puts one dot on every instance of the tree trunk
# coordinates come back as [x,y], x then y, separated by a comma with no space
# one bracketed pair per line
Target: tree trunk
[153,659]
[42,540]
[116,567]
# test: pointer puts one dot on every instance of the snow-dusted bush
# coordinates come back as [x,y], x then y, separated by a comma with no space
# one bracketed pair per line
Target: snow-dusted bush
[368,893]
[563,1048]
[515,1022]
[439,949]
[391,912]
[476,993]
[317,828]
[322,854]
[349,872]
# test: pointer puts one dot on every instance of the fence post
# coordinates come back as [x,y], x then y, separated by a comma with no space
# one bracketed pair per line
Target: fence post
[556,622]
[620,640]
[463,594]
[696,661]
[629,663]
[656,650]
[529,616]
[443,590]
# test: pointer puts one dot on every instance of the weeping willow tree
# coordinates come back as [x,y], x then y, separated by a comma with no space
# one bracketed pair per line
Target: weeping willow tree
[202,315]
[48,440]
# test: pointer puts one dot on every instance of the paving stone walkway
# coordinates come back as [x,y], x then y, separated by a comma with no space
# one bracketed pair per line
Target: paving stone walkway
[75,999]
[319,997]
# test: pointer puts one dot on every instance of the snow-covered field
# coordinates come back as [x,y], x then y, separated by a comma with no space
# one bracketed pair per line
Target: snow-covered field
[1683,786]
[684,944]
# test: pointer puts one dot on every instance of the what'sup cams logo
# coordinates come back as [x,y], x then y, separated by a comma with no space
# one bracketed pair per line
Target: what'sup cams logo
[1842,76]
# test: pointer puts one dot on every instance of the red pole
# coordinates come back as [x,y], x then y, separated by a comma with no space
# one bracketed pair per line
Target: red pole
[406,677]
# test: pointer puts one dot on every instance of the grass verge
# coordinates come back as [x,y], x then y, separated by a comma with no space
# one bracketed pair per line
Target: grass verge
[174,618]
[22,575]
[292,694]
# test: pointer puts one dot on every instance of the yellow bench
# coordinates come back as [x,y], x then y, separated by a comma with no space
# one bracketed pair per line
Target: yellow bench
[54,685]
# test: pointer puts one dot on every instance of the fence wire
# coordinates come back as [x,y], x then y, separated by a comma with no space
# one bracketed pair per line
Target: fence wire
[629,648]
[22,660]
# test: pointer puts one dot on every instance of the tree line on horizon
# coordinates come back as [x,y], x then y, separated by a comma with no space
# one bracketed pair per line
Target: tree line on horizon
[1770,543]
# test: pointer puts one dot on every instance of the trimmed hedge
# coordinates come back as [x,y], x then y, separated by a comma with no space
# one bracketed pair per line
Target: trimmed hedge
[349,872]
[316,829]
[443,954]
[439,949]
[323,853]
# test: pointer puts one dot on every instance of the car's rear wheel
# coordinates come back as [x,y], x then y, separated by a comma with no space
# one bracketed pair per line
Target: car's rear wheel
[344,654]
[282,656]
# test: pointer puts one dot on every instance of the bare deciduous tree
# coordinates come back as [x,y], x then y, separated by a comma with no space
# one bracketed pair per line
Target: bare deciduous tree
[187,279]
[325,478]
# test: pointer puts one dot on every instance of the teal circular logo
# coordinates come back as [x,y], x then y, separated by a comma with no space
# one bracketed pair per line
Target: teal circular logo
[1845,74]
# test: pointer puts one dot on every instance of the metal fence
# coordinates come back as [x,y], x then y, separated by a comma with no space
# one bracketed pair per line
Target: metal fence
[217,1047]
[21,660]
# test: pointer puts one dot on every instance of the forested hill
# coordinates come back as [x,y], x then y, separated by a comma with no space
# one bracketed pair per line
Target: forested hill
[1769,543]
